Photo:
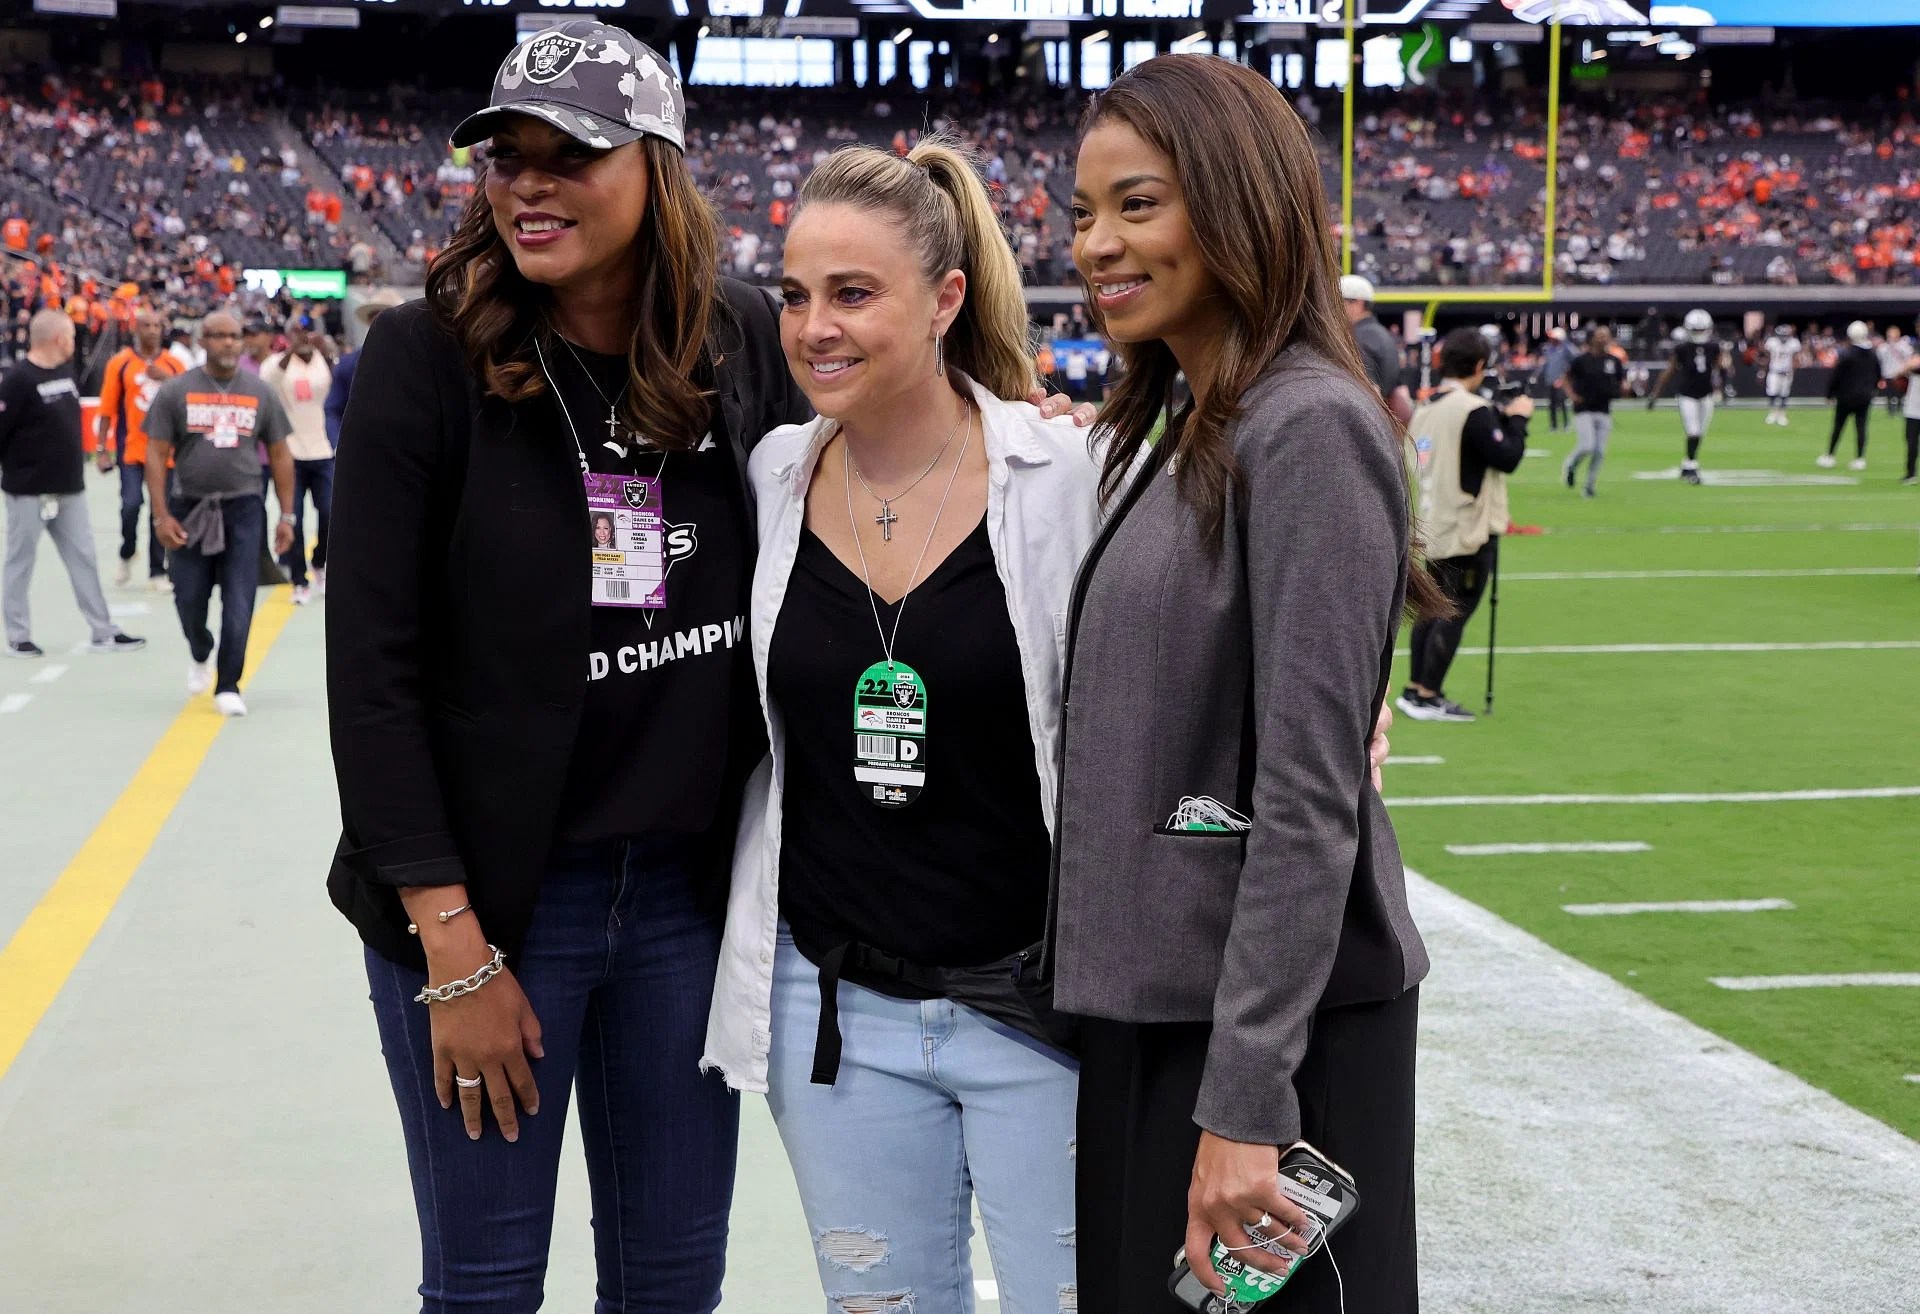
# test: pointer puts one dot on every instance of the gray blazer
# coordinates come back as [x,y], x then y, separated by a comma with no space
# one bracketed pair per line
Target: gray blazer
[1252,676]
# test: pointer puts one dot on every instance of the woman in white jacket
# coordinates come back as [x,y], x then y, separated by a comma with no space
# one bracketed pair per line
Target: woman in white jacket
[917,549]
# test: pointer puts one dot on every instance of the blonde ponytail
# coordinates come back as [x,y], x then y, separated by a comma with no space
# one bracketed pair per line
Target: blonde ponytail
[992,337]
[943,205]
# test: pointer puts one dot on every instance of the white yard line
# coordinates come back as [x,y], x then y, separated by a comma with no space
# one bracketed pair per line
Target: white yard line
[1681,906]
[48,675]
[1817,981]
[1416,761]
[1580,800]
[1537,576]
[1663,649]
[1591,846]
[1535,1072]
[13,703]
[1914,1077]
[1859,527]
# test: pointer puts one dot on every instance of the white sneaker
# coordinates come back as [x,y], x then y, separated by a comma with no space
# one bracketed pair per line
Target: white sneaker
[199,678]
[1857,463]
[1824,461]
[302,595]
[122,572]
[229,704]
[320,581]
[160,584]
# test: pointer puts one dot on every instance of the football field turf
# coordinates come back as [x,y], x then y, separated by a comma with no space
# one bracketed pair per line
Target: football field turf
[1670,660]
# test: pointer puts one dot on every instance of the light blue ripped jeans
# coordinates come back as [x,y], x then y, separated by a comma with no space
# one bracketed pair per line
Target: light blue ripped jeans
[933,1101]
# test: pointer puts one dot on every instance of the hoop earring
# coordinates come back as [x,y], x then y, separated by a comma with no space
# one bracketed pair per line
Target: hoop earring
[940,355]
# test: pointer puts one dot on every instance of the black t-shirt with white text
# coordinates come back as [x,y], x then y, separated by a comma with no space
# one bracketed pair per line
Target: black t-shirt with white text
[671,724]
[40,431]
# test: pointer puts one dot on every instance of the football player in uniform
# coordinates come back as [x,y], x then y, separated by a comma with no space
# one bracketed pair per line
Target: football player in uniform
[1698,364]
[1783,352]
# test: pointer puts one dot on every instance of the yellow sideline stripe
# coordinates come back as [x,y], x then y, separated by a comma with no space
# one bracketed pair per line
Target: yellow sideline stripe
[36,963]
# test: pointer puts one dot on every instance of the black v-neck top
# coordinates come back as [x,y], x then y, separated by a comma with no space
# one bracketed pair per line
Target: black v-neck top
[957,878]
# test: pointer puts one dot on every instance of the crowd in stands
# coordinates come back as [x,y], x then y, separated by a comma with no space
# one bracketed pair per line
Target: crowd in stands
[174,186]
[170,187]
[1657,192]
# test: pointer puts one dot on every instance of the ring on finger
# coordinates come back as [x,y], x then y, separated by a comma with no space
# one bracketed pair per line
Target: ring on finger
[467,1083]
[1264,1222]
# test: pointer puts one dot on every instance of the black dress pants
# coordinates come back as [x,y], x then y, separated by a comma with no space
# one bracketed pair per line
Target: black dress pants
[1435,642]
[1137,1139]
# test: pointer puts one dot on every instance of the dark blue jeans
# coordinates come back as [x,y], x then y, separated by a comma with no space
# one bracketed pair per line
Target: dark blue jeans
[238,572]
[133,495]
[315,477]
[619,967]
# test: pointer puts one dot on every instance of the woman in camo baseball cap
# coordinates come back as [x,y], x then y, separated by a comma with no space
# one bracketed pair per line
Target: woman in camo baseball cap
[559,846]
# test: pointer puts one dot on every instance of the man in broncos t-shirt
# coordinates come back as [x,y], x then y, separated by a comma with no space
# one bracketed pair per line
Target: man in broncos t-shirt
[209,421]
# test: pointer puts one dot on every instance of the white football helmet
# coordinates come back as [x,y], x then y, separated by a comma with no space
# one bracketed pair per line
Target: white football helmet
[1699,325]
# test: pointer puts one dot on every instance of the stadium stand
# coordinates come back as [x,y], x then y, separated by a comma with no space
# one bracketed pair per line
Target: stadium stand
[178,185]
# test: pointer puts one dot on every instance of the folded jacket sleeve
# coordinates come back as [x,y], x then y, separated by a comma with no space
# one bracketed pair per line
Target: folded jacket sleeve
[1324,508]
[379,557]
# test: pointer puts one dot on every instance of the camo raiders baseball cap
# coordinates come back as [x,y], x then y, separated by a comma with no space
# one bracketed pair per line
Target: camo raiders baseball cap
[598,84]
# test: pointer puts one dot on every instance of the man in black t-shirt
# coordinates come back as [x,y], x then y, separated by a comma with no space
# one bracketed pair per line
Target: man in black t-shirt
[1698,365]
[42,474]
[1593,382]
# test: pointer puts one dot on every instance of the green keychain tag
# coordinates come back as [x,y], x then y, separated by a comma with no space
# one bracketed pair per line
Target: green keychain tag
[890,734]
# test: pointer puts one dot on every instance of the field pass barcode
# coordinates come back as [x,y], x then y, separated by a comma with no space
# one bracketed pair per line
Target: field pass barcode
[619,588]
[882,746]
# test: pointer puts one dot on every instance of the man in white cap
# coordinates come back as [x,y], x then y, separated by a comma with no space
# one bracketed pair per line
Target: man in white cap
[1851,388]
[368,310]
[1554,362]
[1377,347]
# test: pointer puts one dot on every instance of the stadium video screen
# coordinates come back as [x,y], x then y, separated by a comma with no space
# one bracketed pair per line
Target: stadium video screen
[304,284]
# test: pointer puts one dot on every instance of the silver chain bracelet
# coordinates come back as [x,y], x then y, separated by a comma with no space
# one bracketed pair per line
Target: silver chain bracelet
[452,990]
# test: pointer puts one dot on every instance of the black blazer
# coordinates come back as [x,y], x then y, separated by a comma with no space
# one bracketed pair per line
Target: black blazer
[457,624]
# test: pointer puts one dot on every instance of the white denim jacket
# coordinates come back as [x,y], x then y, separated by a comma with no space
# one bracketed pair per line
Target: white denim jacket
[1041,517]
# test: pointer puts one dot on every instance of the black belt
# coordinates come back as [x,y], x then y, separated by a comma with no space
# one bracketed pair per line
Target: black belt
[1009,991]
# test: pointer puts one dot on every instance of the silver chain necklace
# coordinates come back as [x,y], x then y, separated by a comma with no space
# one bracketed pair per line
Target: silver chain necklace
[873,601]
[887,519]
[613,403]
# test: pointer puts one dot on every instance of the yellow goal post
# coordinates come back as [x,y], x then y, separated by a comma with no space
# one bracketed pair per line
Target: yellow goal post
[1431,300]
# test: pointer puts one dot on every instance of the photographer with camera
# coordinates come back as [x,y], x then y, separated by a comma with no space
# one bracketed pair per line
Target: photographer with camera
[1466,446]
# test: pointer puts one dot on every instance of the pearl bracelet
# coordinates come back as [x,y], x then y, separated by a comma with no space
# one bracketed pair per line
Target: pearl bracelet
[452,990]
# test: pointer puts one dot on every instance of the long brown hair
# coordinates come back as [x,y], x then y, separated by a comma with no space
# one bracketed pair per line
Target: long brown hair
[1253,196]
[478,291]
[947,217]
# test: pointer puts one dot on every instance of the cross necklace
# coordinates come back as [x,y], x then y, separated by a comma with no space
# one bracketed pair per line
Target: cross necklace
[613,403]
[887,519]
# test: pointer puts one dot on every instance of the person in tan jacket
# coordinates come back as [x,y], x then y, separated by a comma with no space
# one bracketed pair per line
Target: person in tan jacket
[300,377]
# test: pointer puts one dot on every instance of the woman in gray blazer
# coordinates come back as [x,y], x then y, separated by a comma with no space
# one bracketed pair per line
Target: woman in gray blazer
[1229,912]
